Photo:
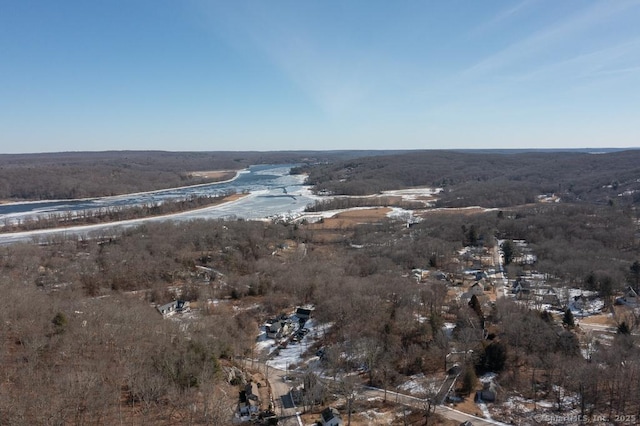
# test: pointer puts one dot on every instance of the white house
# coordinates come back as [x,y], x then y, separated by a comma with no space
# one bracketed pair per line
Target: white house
[173,307]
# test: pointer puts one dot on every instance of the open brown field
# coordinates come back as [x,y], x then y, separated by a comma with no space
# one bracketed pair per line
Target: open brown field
[342,224]
[350,218]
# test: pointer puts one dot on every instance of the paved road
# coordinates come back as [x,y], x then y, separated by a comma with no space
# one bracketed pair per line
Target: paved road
[284,407]
[418,403]
[501,282]
[288,417]
[446,388]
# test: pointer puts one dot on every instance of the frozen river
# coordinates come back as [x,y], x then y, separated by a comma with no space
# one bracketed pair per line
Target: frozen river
[271,192]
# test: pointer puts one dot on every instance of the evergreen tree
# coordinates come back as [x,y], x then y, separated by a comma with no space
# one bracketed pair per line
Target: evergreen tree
[472,236]
[567,319]
[474,304]
[494,357]
[59,322]
[623,328]
[546,316]
[508,251]
[634,270]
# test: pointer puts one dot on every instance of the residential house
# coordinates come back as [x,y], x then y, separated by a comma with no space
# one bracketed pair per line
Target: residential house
[176,306]
[273,328]
[330,417]
[489,392]
[440,276]
[580,302]
[549,296]
[476,289]
[421,274]
[304,313]
[466,296]
[521,288]
[183,306]
[249,400]
[279,327]
[630,297]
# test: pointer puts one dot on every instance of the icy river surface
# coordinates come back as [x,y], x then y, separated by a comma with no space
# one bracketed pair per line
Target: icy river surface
[270,190]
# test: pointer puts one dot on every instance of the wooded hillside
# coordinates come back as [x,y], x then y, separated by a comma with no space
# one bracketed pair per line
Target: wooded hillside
[81,341]
[93,174]
[489,179]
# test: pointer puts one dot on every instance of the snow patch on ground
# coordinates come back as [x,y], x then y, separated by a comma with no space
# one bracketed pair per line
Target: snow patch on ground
[485,410]
[518,405]
[402,214]
[413,193]
[293,355]
[487,377]
[373,415]
[414,386]
[420,385]
[448,328]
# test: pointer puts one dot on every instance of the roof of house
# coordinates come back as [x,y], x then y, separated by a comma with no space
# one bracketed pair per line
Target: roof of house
[329,413]
[304,311]
[251,390]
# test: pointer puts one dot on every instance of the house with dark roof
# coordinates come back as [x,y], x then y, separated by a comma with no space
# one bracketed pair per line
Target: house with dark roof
[330,417]
[249,400]
[279,327]
[630,297]
[304,312]
[489,392]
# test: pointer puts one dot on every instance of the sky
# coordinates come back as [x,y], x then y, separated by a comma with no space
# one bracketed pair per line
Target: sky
[198,75]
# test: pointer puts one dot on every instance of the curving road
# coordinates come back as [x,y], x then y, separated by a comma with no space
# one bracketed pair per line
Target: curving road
[288,412]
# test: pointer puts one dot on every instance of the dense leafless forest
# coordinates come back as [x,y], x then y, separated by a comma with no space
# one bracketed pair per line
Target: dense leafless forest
[83,344]
[96,174]
[489,179]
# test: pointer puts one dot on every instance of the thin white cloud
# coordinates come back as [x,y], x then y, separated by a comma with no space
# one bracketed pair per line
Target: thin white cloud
[503,16]
[334,81]
[335,78]
[548,38]
[589,64]
[620,71]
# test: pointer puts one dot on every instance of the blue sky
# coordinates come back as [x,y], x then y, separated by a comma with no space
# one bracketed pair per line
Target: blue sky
[279,75]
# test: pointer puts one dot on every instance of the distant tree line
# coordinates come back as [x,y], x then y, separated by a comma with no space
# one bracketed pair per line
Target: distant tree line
[113,214]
